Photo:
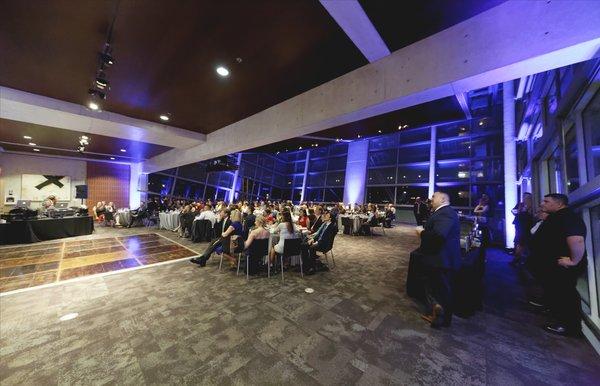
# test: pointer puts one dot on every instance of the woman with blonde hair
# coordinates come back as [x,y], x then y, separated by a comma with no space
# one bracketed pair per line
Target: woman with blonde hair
[235,230]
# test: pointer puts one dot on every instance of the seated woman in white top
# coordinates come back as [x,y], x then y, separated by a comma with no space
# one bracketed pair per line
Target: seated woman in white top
[286,230]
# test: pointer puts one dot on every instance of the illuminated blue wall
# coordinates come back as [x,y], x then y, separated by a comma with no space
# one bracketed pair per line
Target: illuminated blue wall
[356,172]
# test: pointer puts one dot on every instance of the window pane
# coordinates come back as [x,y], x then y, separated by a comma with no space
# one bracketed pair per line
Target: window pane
[382,157]
[381,176]
[554,171]
[487,146]
[334,195]
[210,193]
[383,142]
[452,171]
[459,195]
[459,148]
[338,148]
[318,152]
[299,167]
[316,179]
[487,170]
[160,184]
[414,154]
[595,234]
[591,126]
[406,195]
[413,173]
[571,163]
[314,195]
[415,135]
[317,165]
[298,180]
[335,178]
[380,195]
[196,171]
[337,163]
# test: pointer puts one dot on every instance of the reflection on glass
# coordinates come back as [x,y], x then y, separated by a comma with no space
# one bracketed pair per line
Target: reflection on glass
[571,163]
[591,126]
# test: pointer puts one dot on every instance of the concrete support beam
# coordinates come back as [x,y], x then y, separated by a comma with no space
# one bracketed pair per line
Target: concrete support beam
[356,24]
[510,161]
[463,101]
[356,172]
[31,108]
[432,162]
[305,177]
[514,39]
[138,185]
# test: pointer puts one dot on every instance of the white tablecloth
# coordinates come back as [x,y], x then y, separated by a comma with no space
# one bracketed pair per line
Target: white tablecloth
[122,217]
[357,220]
[169,220]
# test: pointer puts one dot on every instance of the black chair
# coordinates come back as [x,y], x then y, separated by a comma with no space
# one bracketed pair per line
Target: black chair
[258,249]
[347,223]
[226,248]
[291,247]
[330,251]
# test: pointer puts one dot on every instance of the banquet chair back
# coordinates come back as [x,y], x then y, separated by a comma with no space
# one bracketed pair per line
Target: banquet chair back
[258,249]
[330,252]
[347,223]
[291,247]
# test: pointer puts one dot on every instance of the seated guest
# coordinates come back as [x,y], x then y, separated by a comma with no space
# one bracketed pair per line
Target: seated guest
[269,218]
[223,225]
[109,214]
[440,254]
[137,214]
[183,219]
[483,207]
[316,224]
[320,241]
[152,205]
[286,230]
[249,220]
[259,232]
[100,209]
[235,230]
[303,219]
[207,214]
[311,215]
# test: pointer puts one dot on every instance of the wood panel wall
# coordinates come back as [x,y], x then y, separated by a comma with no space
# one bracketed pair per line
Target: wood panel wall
[108,182]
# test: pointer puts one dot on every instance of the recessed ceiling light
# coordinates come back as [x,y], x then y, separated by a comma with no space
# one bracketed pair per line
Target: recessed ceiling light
[112,158]
[164,117]
[123,151]
[300,148]
[32,144]
[85,137]
[379,131]
[36,149]
[222,71]
[358,136]
[93,105]
[316,145]
[405,126]
[26,137]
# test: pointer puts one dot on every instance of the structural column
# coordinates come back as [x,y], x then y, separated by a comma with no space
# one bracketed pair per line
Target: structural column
[432,165]
[235,178]
[138,184]
[304,178]
[356,172]
[510,162]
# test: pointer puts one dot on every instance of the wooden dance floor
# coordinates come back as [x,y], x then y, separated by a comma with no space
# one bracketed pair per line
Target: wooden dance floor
[38,264]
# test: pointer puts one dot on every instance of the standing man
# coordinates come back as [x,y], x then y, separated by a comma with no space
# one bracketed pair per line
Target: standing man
[419,209]
[564,256]
[440,254]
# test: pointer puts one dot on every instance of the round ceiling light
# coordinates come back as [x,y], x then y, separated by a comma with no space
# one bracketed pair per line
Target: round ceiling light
[123,151]
[164,117]
[222,71]
[112,158]
[26,137]
[93,105]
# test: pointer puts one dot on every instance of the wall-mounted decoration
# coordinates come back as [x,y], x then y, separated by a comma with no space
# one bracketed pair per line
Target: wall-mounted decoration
[37,187]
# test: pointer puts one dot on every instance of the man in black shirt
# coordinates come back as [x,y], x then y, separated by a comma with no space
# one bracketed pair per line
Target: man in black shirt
[564,258]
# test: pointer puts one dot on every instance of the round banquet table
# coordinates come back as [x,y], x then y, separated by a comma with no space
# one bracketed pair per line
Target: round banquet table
[169,220]
[357,220]
[122,217]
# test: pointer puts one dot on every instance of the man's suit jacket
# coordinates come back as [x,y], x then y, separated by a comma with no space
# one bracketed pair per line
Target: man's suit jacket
[248,224]
[440,241]
[324,237]
[219,228]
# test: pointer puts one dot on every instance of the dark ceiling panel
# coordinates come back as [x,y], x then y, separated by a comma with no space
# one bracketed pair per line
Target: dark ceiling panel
[441,110]
[166,53]
[12,132]
[401,23]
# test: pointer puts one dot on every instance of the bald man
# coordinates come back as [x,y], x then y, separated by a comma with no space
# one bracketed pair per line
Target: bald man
[440,254]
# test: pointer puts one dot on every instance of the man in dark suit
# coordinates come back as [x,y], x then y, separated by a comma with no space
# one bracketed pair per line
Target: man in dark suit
[420,211]
[220,227]
[440,254]
[320,241]
[249,220]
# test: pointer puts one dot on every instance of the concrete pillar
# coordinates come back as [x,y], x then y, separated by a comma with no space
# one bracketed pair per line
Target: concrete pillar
[510,162]
[356,172]
[235,178]
[138,185]
[305,177]
[432,165]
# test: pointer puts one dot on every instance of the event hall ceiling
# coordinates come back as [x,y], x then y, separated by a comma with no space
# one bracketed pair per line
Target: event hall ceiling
[166,52]
[19,136]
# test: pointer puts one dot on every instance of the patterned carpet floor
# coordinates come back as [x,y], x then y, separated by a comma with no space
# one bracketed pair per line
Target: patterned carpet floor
[177,323]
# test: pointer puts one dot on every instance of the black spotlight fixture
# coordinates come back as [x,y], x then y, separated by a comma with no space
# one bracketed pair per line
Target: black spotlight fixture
[101,81]
[97,93]
[106,59]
